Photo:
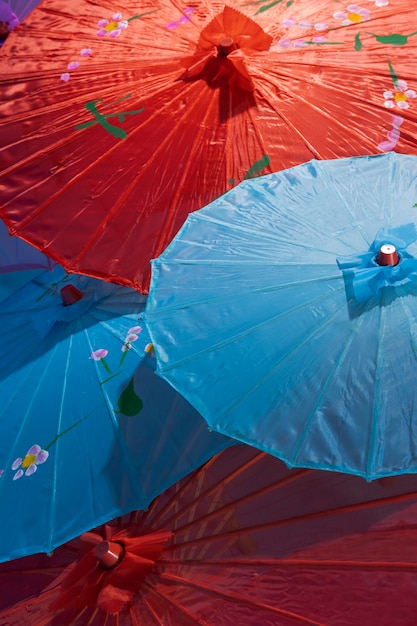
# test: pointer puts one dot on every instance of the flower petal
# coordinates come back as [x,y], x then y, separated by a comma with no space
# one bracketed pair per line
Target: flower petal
[17,463]
[402,85]
[31,470]
[289,21]
[135,329]
[34,450]
[99,354]
[18,474]
[42,456]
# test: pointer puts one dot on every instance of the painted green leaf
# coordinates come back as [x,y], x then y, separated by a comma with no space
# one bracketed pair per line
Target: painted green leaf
[129,403]
[393,74]
[396,39]
[257,167]
[358,43]
[268,6]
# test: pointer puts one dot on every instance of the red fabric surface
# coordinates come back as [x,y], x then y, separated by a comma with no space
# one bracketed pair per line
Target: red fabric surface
[101,170]
[256,543]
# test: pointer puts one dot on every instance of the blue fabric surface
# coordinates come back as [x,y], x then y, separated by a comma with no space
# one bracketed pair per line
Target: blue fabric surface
[87,430]
[255,323]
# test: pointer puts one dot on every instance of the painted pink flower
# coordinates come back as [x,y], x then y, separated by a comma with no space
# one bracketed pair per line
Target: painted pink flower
[29,464]
[135,330]
[112,27]
[97,355]
[86,52]
[289,21]
[399,97]
[354,14]
[1,473]
[300,43]
[132,335]
[65,77]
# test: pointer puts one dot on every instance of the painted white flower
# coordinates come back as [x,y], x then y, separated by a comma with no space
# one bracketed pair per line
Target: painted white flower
[399,97]
[354,14]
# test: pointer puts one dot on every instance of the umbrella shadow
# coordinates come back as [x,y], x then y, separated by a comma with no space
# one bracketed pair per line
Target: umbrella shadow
[161,432]
[233,100]
[384,297]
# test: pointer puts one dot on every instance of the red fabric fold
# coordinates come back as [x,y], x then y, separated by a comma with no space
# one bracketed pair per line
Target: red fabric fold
[89,584]
[249,39]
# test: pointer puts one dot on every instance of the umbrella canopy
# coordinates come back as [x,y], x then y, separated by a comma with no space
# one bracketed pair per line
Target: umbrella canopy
[87,430]
[117,120]
[271,314]
[252,543]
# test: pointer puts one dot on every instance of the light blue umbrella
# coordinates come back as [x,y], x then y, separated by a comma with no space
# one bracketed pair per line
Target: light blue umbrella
[87,430]
[270,313]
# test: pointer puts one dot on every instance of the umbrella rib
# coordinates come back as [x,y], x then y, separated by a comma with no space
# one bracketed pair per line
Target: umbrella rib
[117,435]
[245,333]
[205,215]
[231,295]
[244,499]
[340,510]
[350,564]
[53,496]
[179,607]
[377,387]
[333,372]
[229,595]
[227,479]
[86,170]
[128,190]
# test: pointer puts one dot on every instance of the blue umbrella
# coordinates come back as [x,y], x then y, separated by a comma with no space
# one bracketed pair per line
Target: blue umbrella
[19,262]
[87,430]
[270,313]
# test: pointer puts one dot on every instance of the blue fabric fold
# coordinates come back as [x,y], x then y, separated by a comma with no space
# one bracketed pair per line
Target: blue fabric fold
[368,276]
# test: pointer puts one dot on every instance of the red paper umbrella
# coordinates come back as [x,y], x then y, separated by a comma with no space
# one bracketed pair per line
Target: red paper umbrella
[243,540]
[120,118]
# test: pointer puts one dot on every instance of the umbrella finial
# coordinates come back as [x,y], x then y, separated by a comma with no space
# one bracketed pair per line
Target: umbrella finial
[387,255]
[109,553]
[226,46]
[70,295]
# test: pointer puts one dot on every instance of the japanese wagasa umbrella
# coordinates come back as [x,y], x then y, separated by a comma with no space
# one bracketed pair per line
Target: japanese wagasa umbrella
[242,540]
[119,119]
[281,314]
[87,430]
